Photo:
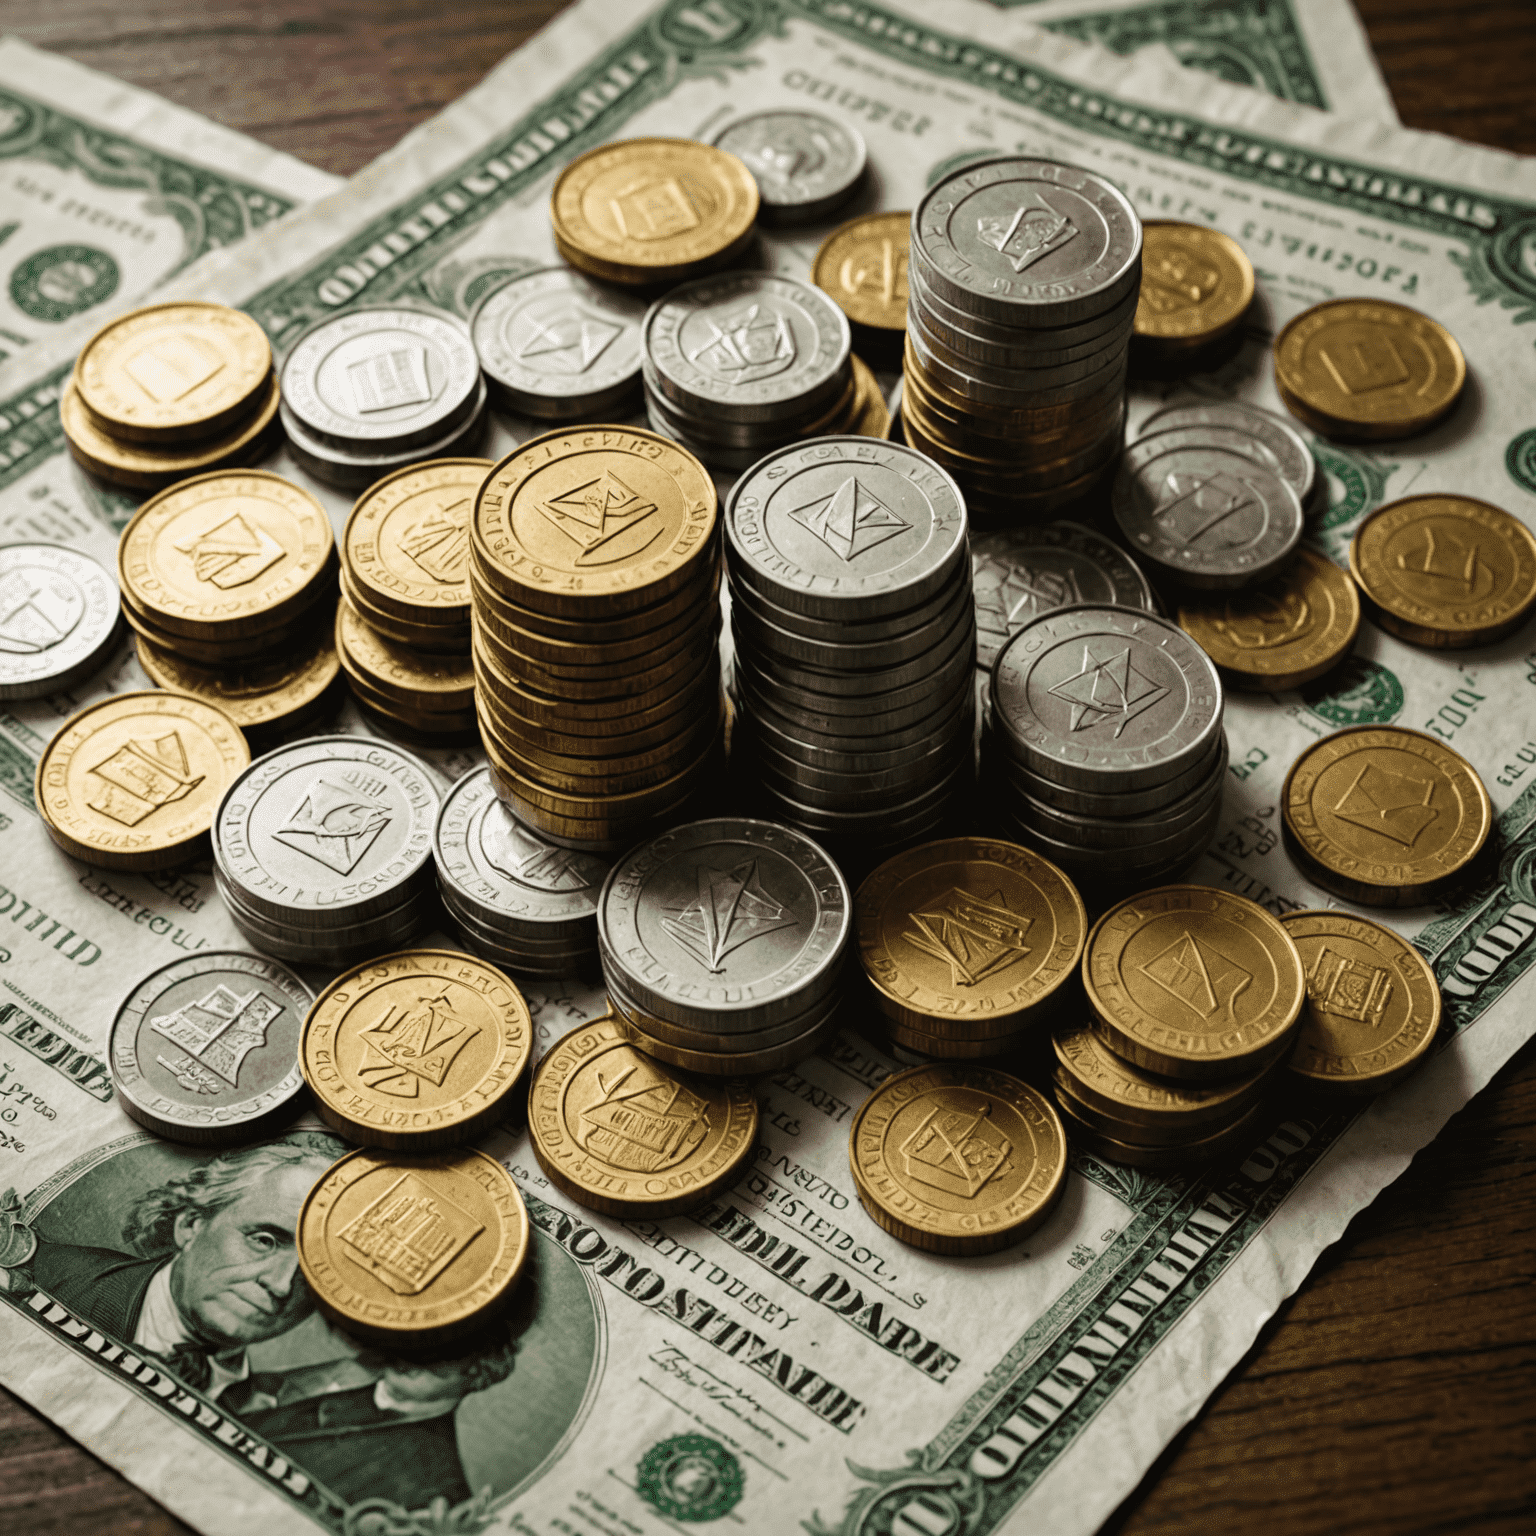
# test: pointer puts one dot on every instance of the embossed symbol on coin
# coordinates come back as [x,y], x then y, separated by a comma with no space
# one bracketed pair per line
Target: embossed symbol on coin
[571,344]
[1201,504]
[1395,805]
[383,380]
[512,850]
[1021,591]
[439,544]
[976,938]
[653,210]
[1177,280]
[218,1031]
[732,909]
[1199,976]
[409,1046]
[886,276]
[1035,230]
[171,367]
[409,1235]
[140,777]
[1265,619]
[851,521]
[1348,988]
[335,824]
[231,553]
[1108,688]
[755,343]
[1448,558]
[956,1151]
[641,1121]
[606,518]
[1363,360]
[36,613]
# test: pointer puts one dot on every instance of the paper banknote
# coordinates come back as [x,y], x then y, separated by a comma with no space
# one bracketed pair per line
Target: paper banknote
[776,1361]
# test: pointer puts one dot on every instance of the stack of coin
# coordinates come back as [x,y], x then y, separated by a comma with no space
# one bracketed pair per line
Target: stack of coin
[863,265]
[374,389]
[723,945]
[969,945]
[60,617]
[514,898]
[805,163]
[741,363]
[594,582]
[1196,286]
[1023,289]
[171,390]
[322,850]
[855,635]
[1105,743]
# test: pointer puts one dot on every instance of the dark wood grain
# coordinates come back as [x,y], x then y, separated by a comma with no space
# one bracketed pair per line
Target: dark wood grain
[1396,1393]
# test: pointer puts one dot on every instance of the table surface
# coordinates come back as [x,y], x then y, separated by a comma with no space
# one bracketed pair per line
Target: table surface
[1396,1392]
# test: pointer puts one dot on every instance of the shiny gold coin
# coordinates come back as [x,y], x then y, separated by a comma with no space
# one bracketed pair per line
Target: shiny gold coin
[228,554]
[240,651]
[173,373]
[643,211]
[417,1050]
[1445,571]
[863,265]
[144,467]
[1373,1004]
[413,1250]
[407,677]
[1282,633]
[871,417]
[1161,1159]
[1368,368]
[957,1160]
[1193,983]
[433,639]
[946,1048]
[1196,284]
[1080,1110]
[1384,816]
[132,781]
[969,937]
[623,1133]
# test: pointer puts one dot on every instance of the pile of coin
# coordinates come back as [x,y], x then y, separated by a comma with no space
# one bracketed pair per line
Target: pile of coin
[1196,286]
[594,584]
[168,391]
[805,163]
[1105,743]
[722,944]
[60,618]
[322,850]
[855,635]
[1023,284]
[376,388]
[516,899]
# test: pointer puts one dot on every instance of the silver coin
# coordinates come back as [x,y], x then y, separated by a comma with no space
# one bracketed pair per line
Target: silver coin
[206,1049]
[804,163]
[384,930]
[385,377]
[850,630]
[1292,457]
[1019,573]
[1025,241]
[60,617]
[732,922]
[1105,698]
[1013,389]
[326,832]
[949,340]
[709,427]
[555,344]
[1143,865]
[791,737]
[832,790]
[1206,507]
[889,823]
[1046,339]
[747,346]
[1121,803]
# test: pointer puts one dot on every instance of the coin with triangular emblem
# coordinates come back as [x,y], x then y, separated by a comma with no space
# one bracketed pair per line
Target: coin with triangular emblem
[59,617]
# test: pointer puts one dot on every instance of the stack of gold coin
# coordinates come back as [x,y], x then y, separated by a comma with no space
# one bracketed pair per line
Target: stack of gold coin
[168,391]
[594,586]
[1195,996]
[969,945]
[1196,286]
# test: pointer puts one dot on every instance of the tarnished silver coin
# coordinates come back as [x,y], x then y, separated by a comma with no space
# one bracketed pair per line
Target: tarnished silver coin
[1288,448]
[60,616]
[556,346]
[805,163]
[206,1049]
[1019,573]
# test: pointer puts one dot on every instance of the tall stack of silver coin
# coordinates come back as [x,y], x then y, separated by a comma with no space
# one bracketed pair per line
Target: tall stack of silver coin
[1105,745]
[1022,282]
[377,388]
[514,898]
[851,611]
[723,946]
[322,850]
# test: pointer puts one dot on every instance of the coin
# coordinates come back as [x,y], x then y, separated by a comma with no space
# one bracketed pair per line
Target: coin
[1196,284]
[59,619]
[957,1160]
[1384,816]
[1161,1159]
[863,265]
[1445,570]
[405,677]
[205,1049]
[1285,445]
[1368,368]
[805,163]
[172,373]
[413,1250]
[1286,631]
[133,780]
[1192,982]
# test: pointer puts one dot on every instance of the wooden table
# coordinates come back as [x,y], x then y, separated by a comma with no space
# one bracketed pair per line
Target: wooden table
[1397,1391]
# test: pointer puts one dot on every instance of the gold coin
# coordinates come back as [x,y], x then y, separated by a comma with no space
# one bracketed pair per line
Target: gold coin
[435,639]
[629,1136]
[233,553]
[143,467]
[239,651]
[420,1049]
[653,210]
[1193,983]
[968,937]
[944,1048]
[1384,816]
[132,781]
[172,373]
[871,416]
[1160,1159]
[406,543]
[1373,1004]
[413,1250]
[1076,1109]
[1284,632]
[407,677]
[957,1160]
[1445,570]
[1368,368]
[863,265]
[1196,284]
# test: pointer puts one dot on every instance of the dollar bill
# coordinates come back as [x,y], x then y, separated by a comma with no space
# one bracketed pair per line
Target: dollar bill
[774,1360]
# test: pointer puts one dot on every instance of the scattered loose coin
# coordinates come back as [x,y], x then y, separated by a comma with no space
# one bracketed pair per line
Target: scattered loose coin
[863,266]
[59,619]
[1285,445]
[1196,285]
[805,163]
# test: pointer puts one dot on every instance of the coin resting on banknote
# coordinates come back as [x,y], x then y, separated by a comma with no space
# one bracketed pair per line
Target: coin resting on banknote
[1196,286]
